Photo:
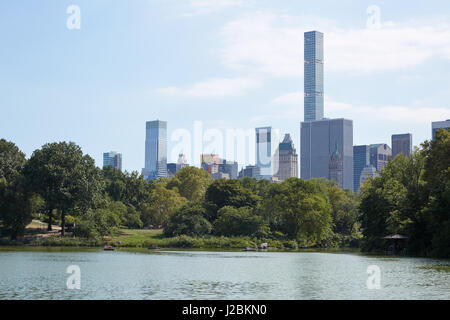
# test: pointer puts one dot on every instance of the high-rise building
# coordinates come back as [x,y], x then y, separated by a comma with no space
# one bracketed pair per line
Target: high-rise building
[182,162]
[266,147]
[401,143]
[112,159]
[327,151]
[171,170]
[155,150]
[314,84]
[380,155]
[287,159]
[210,163]
[250,171]
[361,160]
[230,168]
[435,126]
[326,145]
[219,168]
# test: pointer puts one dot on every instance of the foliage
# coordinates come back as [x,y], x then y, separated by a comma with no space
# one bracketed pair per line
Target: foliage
[161,205]
[191,183]
[188,220]
[239,222]
[299,209]
[411,197]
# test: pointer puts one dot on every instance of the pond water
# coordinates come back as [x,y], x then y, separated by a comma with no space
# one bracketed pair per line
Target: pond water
[32,273]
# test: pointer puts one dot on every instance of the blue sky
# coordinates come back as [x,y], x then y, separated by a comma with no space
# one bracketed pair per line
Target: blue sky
[231,64]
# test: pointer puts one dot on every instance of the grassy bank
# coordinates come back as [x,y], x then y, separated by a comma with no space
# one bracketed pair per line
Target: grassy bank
[145,238]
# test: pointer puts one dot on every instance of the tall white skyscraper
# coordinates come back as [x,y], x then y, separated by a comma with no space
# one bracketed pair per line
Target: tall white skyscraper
[313,76]
[155,150]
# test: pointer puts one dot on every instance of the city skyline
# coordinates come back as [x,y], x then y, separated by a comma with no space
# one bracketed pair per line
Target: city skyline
[244,60]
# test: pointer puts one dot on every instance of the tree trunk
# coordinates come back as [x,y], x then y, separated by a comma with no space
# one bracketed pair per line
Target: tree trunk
[14,235]
[63,224]
[50,220]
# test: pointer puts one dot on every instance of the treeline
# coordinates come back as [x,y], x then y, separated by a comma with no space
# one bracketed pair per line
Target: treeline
[412,198]
[63,186]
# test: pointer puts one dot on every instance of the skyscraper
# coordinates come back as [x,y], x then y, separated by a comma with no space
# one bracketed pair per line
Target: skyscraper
[435,126]
[401,143]
[266,146]
[361,160]
[181,162]
[250,171]
[380,155]
[287,159]
[112,159]
[155,150]
[327,151]
[326,145]
[313,59]
[230,168]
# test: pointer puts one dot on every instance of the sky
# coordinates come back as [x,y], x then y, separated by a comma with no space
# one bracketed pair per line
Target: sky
[96,75]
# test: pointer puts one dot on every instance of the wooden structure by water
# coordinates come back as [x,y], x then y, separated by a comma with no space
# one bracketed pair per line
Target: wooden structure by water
[397,244]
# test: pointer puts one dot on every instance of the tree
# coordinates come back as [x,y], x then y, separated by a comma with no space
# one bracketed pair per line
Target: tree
[161,205]
[12,160]
[224,192]
[239,222]
[299,209]
[16,200]
[65,178]
[436,213]
[392,203]
[191,183]
[188,220]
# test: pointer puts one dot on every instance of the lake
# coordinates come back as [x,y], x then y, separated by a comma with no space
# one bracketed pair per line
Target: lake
[39,273]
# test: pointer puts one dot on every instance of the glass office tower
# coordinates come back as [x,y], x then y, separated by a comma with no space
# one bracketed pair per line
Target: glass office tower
[327,151]
[361,160]
[155,150]
[112,159]
[266,147]
[401,143]
[435,126]
[313,76]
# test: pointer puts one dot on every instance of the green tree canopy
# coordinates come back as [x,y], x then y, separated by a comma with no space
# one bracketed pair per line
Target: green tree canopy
[241,221]
[188,220]
[191,183]
[65,178]
[299,209]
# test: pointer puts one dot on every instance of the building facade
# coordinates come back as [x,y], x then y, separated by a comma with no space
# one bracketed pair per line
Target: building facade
[327,151]
[210,163]
[112,159]
[380,155]
[314,74]
[401,143]
[250,171]
[361,160]
[182,162]
[230,168]
[435,126]
[266,147]
[171,170]
[287,159]
[155,150]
